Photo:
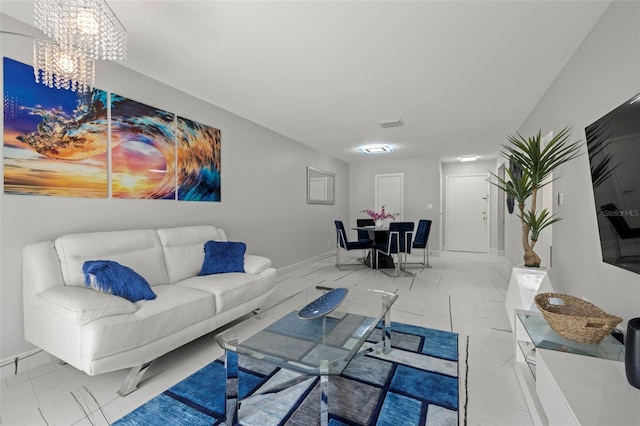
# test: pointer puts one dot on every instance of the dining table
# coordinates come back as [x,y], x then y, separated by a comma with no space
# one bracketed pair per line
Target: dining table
[379,235]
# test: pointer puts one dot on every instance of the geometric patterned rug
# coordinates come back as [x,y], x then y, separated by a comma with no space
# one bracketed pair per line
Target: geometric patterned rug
[416,384]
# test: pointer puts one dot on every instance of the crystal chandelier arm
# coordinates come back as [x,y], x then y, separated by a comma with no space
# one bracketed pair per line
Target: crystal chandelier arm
[26,36]
[54,66]
[81,31]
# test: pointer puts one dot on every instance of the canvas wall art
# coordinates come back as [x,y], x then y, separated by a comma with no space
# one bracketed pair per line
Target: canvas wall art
[142,150]
[198,161]
[55,141]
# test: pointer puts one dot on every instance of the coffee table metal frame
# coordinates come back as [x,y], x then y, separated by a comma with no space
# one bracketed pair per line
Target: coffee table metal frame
[229,341]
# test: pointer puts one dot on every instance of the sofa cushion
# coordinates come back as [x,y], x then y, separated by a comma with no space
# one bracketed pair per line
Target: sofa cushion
[223,256]
[255,264]
[231,289]
[184,249]
[140,250]
[83,304]
[173,310]
[111,277]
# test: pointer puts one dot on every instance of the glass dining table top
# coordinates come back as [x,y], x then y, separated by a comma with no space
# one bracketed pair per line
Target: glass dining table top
[370,228]
[377,233]
[304,345]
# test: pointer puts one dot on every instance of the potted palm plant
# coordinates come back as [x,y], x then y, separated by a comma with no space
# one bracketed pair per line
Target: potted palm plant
[531,165]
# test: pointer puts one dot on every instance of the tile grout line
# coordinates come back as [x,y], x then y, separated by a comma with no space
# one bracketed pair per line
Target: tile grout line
[86,415]
[42,415]
[97,403]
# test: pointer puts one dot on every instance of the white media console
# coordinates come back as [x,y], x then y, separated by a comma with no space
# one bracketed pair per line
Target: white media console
[567,383]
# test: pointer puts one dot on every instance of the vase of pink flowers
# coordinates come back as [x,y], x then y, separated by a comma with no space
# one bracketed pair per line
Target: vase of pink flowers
[379,216]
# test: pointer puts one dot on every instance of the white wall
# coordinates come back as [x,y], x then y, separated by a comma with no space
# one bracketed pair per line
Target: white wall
[603,73]
[421,187]
[263,192]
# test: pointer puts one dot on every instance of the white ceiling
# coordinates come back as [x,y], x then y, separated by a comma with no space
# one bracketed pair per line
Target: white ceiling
[461,74]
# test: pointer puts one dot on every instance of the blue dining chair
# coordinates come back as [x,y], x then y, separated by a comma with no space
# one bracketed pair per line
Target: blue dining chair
[364,235]
[342,242]
[398,243]
[421,241]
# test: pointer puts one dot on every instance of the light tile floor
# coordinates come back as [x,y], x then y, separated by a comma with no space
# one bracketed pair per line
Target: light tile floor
[462,292]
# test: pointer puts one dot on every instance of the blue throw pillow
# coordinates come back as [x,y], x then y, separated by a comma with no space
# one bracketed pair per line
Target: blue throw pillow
[113,278]
[223,256]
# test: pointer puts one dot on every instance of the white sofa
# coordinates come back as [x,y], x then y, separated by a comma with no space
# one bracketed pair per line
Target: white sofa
[98,332]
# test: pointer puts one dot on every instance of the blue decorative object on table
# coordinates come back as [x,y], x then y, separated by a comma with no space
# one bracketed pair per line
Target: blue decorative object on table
[323,304]
[113,278]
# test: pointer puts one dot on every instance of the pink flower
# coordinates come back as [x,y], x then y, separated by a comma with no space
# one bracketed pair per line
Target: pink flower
[379,216]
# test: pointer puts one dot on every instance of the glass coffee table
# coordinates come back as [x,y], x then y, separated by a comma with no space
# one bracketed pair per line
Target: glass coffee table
[312,347]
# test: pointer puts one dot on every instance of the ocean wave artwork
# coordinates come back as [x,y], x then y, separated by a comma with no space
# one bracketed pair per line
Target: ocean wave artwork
[142,151]
[198,161]
[55,141]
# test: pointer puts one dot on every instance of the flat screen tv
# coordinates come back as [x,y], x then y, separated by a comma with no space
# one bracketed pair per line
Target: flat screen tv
[613,143]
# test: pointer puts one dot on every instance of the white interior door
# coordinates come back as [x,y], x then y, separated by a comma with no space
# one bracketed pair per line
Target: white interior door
[389,190]
[468,213]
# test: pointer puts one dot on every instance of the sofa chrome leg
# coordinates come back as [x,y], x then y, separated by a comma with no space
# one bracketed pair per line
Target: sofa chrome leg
[133,378]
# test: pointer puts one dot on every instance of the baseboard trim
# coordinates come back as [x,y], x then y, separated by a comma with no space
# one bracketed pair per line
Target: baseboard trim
[309,260]
[24,361]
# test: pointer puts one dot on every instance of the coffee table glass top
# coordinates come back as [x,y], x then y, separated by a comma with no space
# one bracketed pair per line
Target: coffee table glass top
[304,345]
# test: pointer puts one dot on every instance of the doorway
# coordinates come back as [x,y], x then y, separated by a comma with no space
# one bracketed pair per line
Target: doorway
[468,213]
[389,192]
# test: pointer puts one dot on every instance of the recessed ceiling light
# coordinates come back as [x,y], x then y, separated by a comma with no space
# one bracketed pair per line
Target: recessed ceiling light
[375,149]
[390,123]
[468,158]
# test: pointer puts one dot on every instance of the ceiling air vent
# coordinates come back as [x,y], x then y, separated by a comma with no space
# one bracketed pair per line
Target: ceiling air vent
[385,124]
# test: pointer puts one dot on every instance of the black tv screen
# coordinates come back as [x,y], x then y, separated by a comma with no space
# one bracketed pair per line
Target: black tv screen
[613,143]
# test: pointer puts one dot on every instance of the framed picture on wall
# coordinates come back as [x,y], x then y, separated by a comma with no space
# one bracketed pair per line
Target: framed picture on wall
[198,161]
[142,150]
[55,141]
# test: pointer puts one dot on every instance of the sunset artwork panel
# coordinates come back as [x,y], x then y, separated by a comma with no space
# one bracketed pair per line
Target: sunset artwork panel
[198,161]
[55,141]
[143,156]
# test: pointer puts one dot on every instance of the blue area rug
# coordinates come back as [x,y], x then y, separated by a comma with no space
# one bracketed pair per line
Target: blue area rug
[416,384]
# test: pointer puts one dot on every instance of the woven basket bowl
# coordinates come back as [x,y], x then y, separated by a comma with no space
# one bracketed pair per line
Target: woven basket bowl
[576,320]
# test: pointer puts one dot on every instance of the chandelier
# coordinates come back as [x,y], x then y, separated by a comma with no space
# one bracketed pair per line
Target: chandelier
[82,32]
